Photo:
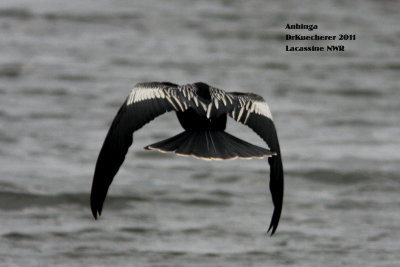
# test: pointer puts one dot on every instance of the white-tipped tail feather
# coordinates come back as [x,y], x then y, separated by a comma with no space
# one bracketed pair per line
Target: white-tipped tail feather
[210,145]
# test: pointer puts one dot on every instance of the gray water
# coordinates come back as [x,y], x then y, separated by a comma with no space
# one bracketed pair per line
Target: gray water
[66,67]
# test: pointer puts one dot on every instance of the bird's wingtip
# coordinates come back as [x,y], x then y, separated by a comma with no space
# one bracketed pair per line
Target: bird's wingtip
[275,220]
[96,211]
[272,227]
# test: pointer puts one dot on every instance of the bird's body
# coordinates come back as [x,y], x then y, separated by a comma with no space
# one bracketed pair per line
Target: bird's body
[202,111]
[191,120]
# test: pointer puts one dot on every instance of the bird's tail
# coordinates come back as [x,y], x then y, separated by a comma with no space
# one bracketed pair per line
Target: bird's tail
[210,145]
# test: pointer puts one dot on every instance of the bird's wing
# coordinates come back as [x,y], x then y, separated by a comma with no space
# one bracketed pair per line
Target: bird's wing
[143,104]
[253,111]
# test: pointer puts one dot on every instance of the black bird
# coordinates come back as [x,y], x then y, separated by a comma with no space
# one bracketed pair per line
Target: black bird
[202,111]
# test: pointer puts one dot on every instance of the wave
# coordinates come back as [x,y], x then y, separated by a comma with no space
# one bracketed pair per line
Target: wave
[196,201]
[14,200]
[345,92]
[355,122]
[10,200]
[331,176]
[36,91]
[20,236]
[6,137]
[16,13]
[10,70]
[93,17]
[241,35]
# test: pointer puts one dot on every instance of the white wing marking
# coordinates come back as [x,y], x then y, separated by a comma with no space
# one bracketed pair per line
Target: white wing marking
[179,103]
[209,110]
[224,101]
[262,108]
[240,113]
[204,106]
[216,103]
[172,103]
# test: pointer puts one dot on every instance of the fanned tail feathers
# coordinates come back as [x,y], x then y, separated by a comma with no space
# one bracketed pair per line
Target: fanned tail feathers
[210,145]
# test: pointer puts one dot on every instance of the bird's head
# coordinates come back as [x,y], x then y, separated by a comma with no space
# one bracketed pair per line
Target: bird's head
[203,90]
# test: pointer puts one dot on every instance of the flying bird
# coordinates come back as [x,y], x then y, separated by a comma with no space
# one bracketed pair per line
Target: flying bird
[202,111]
